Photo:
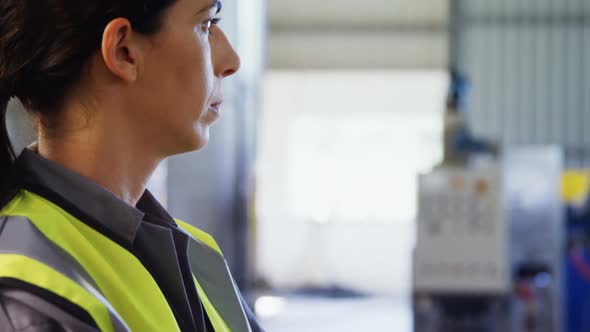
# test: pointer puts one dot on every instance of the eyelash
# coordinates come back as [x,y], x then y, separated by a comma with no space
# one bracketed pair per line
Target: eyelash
[212,22]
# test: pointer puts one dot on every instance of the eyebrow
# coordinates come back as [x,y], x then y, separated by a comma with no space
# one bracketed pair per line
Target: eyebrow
[214,4]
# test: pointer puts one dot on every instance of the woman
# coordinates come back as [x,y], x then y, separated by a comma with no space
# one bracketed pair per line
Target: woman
[114,86]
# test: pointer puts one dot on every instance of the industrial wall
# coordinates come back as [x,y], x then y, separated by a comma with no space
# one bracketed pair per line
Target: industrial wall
[370,34]
[528,61]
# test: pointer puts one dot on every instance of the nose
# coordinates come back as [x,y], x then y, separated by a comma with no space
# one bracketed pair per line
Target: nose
[226,61]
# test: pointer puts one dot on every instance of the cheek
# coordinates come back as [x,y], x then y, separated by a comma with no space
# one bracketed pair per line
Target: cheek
[181,81]
[195,79]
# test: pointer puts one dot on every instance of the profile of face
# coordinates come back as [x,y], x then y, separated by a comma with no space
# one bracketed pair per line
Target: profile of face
[173,78]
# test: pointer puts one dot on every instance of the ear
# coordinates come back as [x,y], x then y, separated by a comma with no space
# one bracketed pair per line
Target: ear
[121,49]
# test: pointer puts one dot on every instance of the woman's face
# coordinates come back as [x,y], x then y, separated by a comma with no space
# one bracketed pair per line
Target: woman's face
[180,82]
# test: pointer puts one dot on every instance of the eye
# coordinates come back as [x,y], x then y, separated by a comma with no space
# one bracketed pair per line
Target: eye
[210,23]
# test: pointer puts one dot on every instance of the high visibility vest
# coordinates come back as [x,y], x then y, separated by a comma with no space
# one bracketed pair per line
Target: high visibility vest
[44,246]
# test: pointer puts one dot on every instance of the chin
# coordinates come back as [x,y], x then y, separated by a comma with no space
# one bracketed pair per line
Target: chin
[195,141]
[200,139]
[203,142]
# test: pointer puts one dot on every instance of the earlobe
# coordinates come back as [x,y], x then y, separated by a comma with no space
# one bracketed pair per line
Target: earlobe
[119,50]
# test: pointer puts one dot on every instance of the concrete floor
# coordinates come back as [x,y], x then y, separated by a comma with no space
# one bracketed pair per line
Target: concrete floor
[313,314]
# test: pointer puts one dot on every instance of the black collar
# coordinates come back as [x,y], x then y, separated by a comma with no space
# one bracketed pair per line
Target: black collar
[86,199]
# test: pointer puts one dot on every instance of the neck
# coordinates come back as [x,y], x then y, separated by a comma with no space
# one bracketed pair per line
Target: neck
[101,152]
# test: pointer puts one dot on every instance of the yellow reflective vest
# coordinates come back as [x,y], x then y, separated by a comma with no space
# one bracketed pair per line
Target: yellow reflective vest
[45,246]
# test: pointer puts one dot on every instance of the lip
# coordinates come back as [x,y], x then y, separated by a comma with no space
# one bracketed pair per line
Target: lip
[216,107]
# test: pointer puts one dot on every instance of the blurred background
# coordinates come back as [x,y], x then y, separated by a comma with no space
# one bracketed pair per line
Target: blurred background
[399,165]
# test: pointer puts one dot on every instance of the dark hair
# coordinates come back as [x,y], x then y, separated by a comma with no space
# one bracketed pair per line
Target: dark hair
[46,44]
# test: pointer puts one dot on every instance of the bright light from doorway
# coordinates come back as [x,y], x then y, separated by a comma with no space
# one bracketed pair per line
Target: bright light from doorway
[354,142]
[338,158]
[269,306]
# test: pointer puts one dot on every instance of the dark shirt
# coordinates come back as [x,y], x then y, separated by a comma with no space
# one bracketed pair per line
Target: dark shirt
[147,229]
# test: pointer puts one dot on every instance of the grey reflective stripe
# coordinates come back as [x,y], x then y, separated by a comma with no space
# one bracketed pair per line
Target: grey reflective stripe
[19,236]
[211,270]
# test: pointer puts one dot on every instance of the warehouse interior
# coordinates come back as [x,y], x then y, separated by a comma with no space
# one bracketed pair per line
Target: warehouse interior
[398,165]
